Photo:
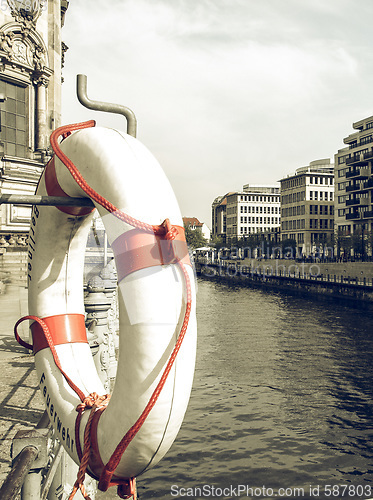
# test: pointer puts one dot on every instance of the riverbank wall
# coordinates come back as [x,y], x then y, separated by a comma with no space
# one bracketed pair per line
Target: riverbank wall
[351,282]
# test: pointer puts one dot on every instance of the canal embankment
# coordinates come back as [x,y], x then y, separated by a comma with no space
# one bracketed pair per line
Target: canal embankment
[351,281]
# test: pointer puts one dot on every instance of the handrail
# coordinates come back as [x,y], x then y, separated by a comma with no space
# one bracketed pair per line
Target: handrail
[26,199]
[81,90]
[16,477]
[22,465]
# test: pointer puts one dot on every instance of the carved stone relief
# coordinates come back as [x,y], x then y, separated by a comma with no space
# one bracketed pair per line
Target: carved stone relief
[23,50]
[27,10]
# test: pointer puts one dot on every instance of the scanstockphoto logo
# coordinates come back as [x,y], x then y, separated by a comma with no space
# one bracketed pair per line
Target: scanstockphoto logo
[273,269]
[234,491]
[264,251]
[249,492]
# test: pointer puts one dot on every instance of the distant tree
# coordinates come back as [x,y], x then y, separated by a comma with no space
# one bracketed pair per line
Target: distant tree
[217,242]
[289,248]
[343,244]
[194,238]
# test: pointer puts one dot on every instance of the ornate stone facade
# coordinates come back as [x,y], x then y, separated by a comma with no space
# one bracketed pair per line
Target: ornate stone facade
[31,57]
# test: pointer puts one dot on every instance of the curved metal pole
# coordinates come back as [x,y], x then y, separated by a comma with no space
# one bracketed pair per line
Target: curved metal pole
[81,90]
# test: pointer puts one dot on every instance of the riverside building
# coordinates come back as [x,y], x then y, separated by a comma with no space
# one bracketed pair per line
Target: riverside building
[307,207]
[354,181]
[254,210]
[31,56]
[219,217]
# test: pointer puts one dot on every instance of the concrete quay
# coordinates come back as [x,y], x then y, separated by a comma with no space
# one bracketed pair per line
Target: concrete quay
[348,281]
[352,269]
[21,404]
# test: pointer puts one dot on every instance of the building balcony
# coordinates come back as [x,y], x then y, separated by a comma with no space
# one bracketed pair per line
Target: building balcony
[368,214]
[354,215]
[367,184]
[360,158]
[353,187]
[357,173]
[357,201]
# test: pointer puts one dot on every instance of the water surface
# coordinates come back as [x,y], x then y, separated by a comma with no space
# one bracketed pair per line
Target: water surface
[282,398]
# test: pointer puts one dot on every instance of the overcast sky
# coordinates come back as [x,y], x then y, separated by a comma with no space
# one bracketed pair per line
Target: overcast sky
[226,92]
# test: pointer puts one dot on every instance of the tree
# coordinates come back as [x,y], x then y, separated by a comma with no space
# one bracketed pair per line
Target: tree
[217,242]
[194,238]
[289,248]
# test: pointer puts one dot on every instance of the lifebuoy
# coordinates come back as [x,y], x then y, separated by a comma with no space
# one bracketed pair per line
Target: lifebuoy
[151,295]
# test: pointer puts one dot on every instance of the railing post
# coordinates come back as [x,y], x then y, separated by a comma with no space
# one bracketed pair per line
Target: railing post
[97,305]
[109,277]
[30,455]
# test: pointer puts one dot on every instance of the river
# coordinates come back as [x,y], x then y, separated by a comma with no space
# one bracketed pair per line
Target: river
[281,403]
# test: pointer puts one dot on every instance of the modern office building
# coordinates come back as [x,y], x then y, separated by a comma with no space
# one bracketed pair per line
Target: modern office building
[31,57]
[354,180]
[307,206]
[218,217]
[254,210]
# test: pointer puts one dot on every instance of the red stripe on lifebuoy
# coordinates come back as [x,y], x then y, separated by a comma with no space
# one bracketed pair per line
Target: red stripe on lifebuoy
[136,249]
[54,189]
[64,329]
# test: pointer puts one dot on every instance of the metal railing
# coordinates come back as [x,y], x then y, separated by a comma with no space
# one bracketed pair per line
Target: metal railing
[39,469]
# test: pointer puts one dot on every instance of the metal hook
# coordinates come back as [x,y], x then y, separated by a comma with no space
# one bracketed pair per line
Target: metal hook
[81,90]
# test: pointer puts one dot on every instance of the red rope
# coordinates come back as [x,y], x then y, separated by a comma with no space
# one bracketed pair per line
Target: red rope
[79,179]
[168,232]
[93,401]
[49,338]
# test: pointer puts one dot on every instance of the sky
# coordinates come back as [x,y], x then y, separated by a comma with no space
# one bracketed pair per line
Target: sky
[226,92]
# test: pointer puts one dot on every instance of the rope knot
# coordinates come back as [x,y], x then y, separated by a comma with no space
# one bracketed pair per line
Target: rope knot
[170,231]
[93,400]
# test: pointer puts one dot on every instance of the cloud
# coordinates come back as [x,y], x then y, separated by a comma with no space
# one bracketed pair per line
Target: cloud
[226,92]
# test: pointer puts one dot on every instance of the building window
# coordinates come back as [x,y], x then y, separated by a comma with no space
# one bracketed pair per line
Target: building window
[366,140]
[14,119]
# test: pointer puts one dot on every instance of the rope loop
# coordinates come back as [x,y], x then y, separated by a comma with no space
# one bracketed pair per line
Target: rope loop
[128,490]
[93,402]
[52,347]
[18,338]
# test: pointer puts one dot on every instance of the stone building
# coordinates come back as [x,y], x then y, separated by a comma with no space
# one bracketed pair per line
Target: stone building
[31,57]
[307,207]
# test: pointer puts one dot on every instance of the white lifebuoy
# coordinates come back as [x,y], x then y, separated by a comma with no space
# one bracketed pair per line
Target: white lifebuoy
[152,300]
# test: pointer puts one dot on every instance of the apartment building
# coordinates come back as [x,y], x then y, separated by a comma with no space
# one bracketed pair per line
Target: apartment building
[307,206]
[354,180]
[254,210]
